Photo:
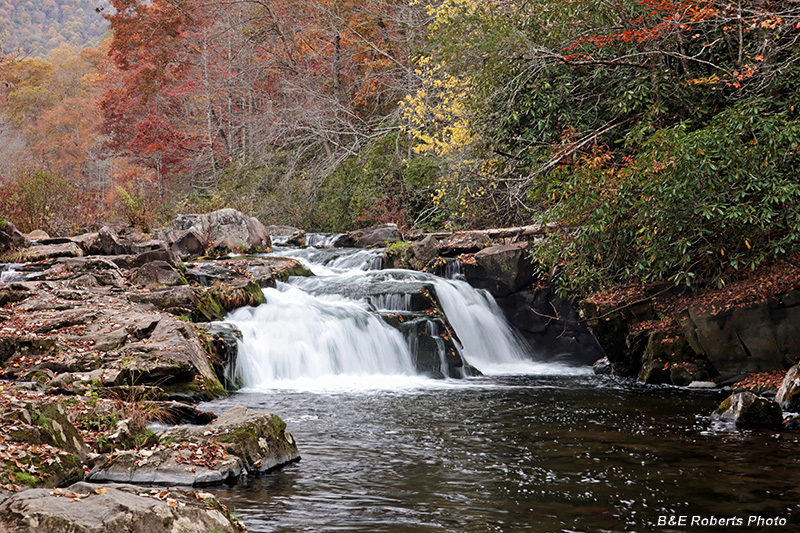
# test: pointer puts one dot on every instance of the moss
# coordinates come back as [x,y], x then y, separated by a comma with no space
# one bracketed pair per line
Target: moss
[724,406]
[214,303]
[397,247]
[296,270]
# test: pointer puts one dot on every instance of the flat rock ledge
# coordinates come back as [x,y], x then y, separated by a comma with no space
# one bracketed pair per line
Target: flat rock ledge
[241,441]
[114,508]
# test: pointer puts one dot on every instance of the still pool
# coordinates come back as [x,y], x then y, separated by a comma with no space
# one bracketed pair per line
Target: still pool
[560,451]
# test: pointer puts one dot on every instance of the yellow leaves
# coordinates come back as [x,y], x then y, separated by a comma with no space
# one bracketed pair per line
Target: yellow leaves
[100,491]
[747,243]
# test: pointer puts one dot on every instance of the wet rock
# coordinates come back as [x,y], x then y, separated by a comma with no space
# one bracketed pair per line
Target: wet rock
[788,396]
[223,231]
[602,367]
[215,302]
[114,508]
[747,410]
[374,237]
[183,413]
[501,270]
[551,325]
[668,358]
[241,441]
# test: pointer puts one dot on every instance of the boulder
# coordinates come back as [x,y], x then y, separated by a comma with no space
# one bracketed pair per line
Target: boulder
[241,441]
[602,367]
[374,237]
[178,300]
[788,396]
[501,270]
[45,426]
[37,235]
[219,232]
[11,237]
[411,255]
[156,274]
[110,243]
[747,410]
[114,508]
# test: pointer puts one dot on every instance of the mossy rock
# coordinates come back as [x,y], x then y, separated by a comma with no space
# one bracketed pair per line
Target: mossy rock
[213,303]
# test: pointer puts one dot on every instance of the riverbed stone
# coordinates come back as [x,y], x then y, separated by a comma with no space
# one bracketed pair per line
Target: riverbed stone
[746,410]
[788,396]
[375,236]
[241,441]
[114,508]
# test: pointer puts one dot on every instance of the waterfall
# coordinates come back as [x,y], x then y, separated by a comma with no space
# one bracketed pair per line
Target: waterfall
[343,323]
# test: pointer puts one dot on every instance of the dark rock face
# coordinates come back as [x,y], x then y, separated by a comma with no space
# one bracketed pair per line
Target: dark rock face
[223,231]
[747,410]
[374,237]
[602,367]
[241,441]
[756,338]
[551,326]
[501,270]
[788,396]
[114,508]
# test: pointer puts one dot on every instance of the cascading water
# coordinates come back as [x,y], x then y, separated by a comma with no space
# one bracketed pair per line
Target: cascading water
[336,326]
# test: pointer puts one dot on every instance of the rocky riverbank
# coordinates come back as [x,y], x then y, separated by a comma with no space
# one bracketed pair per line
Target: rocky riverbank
[105,333]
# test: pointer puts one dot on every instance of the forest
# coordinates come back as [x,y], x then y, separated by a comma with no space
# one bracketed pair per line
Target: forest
[661,136]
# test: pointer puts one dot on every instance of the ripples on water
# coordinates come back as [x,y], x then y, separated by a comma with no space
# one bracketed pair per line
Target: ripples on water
[517,453]
[550,448]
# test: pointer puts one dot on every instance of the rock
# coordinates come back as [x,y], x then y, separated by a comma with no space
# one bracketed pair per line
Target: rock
[501,270]
[254,441]
[13,345]
[44,424]
[41,252]
[287,235]
[668,358]
[702,385]
[788,396]
[460,243]
[178,300]
[223,231]
[792,424]
[11,237]
[215,302]
[110,243]
[551,325]
[182,413]
[411,255]
[148,245]
[602,367]
[156,274]
[755,338]
[114,508]
[225,339]
[143,258]
[375,236]
[37,235]
[747,410]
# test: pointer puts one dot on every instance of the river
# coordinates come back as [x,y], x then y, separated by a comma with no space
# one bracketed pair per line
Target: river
[530,446]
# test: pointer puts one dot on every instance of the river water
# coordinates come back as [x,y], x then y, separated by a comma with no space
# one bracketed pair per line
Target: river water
[530,446]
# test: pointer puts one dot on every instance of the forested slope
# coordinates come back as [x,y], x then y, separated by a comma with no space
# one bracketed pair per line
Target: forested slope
[33,28]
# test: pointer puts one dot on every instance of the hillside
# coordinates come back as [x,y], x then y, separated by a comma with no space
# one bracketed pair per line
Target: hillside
[33,28]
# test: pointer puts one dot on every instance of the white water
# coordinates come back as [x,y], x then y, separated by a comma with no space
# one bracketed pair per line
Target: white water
[323,333]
